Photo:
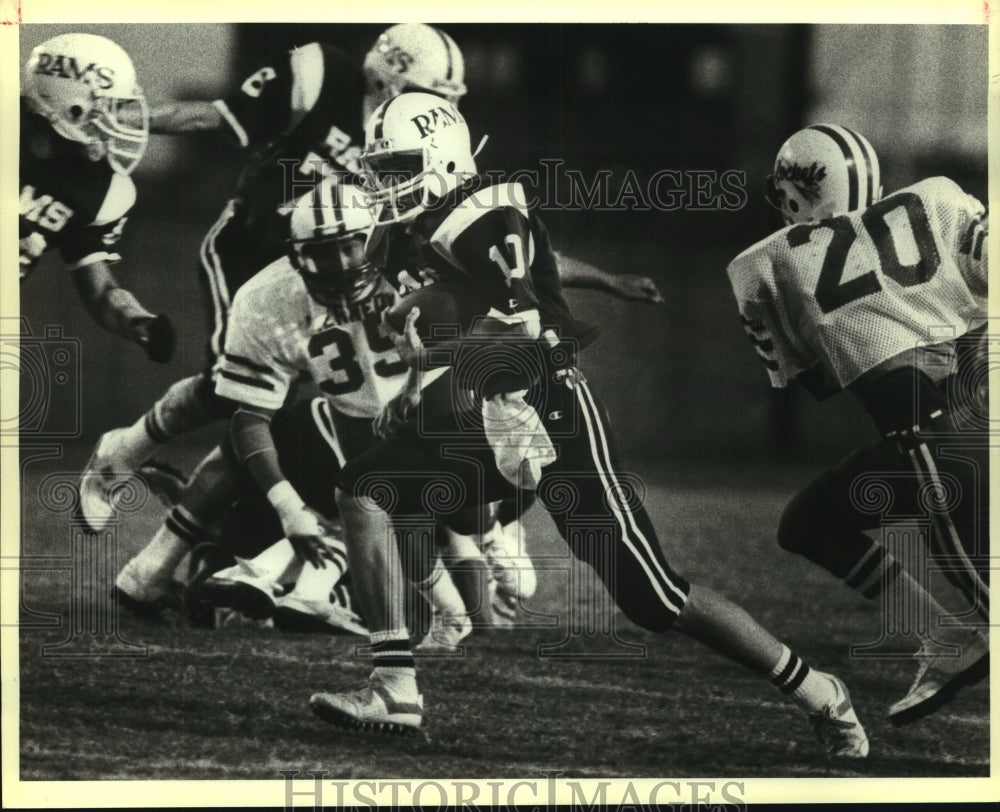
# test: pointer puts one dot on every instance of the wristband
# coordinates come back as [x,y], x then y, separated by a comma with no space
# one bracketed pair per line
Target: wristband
[285,499]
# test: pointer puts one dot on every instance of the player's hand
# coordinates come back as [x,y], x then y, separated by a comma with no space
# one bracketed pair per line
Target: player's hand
[305,529]
[633,286]
[407,343]
[311,549]
[396,412]
[156,335]
[31,248]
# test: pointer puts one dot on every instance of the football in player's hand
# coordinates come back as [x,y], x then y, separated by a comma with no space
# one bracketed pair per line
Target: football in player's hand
[446,310]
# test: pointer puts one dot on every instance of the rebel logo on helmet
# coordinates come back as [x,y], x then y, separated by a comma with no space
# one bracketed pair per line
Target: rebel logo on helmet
[67,67]
[436,119]
[806,179]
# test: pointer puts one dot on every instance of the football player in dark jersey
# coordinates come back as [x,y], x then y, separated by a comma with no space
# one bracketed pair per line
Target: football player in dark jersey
[523,418]
[845,298]
[77,92]
[300,118]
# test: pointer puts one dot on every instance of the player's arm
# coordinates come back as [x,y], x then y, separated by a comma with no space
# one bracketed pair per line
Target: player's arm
[578,274]
[254,373]
[782,355]
[253,444]
[88,251]
[176,117]
[118,311]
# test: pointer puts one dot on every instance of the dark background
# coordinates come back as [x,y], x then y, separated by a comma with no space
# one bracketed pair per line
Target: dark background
[681,381]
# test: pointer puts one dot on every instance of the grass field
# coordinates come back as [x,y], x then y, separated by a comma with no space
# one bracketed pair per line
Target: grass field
[232,703]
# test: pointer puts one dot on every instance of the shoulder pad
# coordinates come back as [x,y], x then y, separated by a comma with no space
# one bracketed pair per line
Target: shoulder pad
[118,200]
[759,249]
[307,76]
[475,206]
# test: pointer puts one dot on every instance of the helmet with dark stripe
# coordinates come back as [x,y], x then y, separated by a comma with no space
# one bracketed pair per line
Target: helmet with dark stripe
[330,227]
[822,171]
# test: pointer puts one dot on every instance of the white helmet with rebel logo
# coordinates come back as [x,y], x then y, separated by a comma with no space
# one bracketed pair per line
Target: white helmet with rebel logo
[85,86]
[417,149]
[413,56]
[330,227]
[822,171]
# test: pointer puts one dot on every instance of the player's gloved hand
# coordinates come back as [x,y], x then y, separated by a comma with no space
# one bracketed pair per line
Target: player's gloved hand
[31,247]
[396,412]
[633,286]
[156,335]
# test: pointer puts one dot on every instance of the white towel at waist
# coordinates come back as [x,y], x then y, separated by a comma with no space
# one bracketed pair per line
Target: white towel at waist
[520,443]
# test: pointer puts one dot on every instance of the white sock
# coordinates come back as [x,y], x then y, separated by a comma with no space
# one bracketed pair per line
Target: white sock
[441,591]
[394,664]
[811,690]
[160,557]
[134,443]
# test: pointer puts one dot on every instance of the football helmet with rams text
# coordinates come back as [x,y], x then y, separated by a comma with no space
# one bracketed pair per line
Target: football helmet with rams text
[85,86]
[413,56]
[329,229]
[417,149]
[822,171]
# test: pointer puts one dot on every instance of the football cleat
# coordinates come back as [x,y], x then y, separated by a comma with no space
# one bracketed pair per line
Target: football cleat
[372,708]
[242,588]
[106,471]
[144,595]
[939,678]
[514,572]
[837,725]
[294,614]
[504,607]
[447,632]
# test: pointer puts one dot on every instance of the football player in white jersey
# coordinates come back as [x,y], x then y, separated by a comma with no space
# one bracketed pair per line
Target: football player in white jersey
[853,295]
[77,151]
[316,311]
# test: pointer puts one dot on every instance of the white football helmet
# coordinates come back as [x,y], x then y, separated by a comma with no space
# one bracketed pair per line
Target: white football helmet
[413,56]
[416,149]
[330,227]
[85,86]
[822,171]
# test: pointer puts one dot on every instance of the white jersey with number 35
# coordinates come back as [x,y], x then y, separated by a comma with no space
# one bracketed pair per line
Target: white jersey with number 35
[277,331]
[848,293]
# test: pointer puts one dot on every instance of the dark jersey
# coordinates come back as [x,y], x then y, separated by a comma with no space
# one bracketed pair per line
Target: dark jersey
[483,235]
[67,201]
[299,117]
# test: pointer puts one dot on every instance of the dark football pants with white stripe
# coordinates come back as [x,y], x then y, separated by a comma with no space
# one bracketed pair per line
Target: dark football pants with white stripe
[440,465]
[901,479]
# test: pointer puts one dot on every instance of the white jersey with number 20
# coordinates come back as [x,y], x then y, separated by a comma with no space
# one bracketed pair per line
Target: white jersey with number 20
[848,293]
